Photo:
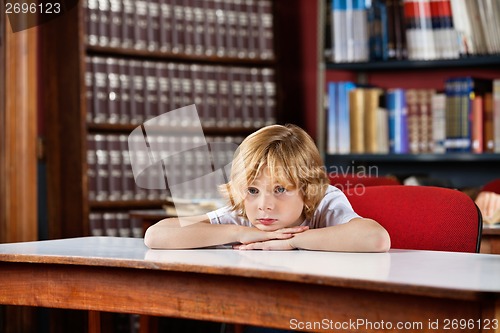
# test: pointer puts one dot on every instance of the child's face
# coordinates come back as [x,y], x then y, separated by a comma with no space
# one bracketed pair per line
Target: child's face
[271,206]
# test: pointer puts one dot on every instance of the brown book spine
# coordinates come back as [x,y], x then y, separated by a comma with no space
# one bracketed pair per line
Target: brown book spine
[141,25]
[113,93]
[104,24]
[165,25]
[92,22]
[114,167]
[100,90]
[115,23]
[489,137]
[356,105]
[128,24]
[153,25]
[125,98]
[91,167]
[89,89]
[371,97]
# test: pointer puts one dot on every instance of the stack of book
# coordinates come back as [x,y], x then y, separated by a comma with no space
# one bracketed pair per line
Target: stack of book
[111,178]
[125,91]
[222,28]
[413,29]
[463,118]
[114,224]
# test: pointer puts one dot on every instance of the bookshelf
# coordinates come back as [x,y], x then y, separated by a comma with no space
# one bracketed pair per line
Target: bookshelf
[462,169]
[88,49]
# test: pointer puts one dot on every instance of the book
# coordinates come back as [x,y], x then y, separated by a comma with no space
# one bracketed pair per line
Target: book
[496,115]
[446,41]
[477,132]
[398,127]
[371,120]
[357,120]
[462,24]
[344,118]
[332,120]
[360,34]
[413,120]
[419,32]
[378,31]
[340,31]
[489,137]
[438,110]
[382,126]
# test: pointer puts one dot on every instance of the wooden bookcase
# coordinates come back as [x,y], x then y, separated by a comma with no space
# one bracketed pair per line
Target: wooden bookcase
[64,50]
[462,169]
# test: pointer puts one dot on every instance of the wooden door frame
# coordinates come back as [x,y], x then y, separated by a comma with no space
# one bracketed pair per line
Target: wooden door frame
[18,134]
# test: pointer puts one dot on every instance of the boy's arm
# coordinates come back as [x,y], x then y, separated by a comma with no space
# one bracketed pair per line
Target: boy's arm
[196,231]
[359,235]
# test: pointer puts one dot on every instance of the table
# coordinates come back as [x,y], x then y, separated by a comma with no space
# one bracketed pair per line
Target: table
[304,290]
[490,239]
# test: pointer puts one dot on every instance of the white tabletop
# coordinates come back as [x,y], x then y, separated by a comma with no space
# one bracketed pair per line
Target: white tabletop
[444,270]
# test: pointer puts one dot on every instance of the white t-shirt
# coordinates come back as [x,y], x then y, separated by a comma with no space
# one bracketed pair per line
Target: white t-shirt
[333,209]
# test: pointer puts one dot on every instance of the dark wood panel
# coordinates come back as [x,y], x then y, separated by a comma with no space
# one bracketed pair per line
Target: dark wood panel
[62,71]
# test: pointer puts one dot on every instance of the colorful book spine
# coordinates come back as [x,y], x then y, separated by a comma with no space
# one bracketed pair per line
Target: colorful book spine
[477,125]
[332,119]
[340,30]
[419,33]
[357,121]
[344,131]
[378,31]
[438,109]
[398,128]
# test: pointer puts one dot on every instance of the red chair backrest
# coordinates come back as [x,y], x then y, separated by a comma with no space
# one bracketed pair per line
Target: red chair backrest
[346,182]
[493,186]
[421,217]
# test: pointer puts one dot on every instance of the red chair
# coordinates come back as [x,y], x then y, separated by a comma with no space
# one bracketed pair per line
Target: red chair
[493,186]
[346,182]
[422,217]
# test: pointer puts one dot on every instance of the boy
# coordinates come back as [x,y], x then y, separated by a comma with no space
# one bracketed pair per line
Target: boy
[280,199]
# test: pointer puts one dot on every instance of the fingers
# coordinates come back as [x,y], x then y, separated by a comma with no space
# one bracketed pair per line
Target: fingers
[293,230]
[266,246]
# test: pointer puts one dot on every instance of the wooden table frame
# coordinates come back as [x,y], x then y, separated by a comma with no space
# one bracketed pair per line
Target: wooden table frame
[233,295]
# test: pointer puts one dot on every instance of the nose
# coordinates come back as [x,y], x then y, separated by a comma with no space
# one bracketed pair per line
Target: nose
[266,202]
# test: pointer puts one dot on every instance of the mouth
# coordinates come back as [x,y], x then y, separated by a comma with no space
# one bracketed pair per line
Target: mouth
[267,221]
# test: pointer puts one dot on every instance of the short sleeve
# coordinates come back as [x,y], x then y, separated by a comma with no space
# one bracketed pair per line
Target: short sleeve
[225,215]
[334,209]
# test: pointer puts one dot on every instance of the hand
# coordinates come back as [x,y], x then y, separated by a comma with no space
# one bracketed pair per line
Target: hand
[275,244]
[488,203]
[275,240]
[254,235]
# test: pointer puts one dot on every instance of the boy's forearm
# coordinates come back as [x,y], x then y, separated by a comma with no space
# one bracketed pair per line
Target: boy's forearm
[359,235]
[196,235]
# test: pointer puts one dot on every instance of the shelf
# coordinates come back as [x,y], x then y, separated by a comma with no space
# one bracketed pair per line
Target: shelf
[126,205]
[176,57]
[477,61]
[411,158]
[128,128]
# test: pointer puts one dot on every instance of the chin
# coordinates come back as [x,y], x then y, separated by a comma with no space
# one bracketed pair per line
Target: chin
[267,227]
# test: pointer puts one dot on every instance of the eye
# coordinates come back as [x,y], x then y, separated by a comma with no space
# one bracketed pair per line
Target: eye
[279,189]
[252,191]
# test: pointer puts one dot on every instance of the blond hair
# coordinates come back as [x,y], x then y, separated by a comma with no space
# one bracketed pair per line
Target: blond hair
[290,157]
